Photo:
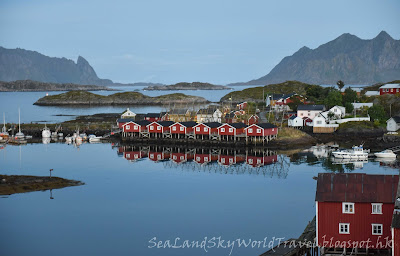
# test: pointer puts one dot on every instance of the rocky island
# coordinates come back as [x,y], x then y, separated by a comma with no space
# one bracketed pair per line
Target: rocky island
[123,98]
[12,184]
[186,86]
[35,86]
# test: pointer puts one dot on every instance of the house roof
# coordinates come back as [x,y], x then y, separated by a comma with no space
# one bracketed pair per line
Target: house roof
[311,107]
[125,120]
[287,96]
[142,122]
[389,86]
[263,125]
[395,118]
[188,123]
[238,125]
[153,115]
[206,111]
[213,124]
[126,111]
[166,123]
[292,117]
[356,187]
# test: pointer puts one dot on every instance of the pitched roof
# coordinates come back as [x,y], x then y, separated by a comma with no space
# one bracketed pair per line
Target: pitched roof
[389,86]
[125,120]
[213,124]
[143,122]
[311,107]
[238,125]
[188,123]
[292,117]
[165,123]
[153,115]
[396,119]
[356,187]
[264,125]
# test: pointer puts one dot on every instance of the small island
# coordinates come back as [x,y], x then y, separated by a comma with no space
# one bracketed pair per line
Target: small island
[124,98]
[35,86]
[186,86]
[13,184]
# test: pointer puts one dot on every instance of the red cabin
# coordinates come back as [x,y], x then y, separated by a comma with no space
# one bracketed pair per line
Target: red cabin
[134,155]
[253,119]
[137,126]
[230,160]
[231,129]
[159,127]
[389,89]
[206,128]
[182,127]
[263,129]
[256,161]
[354,207]
[242,105]
[121,122]
[181,157]
[202,158]
[158,156]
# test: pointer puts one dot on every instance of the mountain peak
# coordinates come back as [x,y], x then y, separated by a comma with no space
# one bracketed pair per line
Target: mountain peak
[82,61]
[383,35]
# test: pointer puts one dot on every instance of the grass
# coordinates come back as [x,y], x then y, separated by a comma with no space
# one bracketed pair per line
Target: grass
[357,125]
[291,133]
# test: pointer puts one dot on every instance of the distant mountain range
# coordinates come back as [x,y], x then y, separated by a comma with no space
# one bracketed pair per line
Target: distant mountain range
[347,58]
[20,64]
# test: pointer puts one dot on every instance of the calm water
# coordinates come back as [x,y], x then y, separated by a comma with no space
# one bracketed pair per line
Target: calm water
[126,203]
[11,101]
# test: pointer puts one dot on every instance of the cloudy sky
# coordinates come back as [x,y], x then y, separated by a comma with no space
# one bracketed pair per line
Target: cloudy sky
[219,41]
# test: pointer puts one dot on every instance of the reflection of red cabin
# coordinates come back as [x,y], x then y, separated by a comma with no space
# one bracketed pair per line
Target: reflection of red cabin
[256,161]
[159,127]
[202,158]
[242,105]
[206,128]
[182,127]
[158,156]
[134,155]
[181,157]
[231,129]
[263,129]
[138,126]
[253,119]
[356,207]
[230,160]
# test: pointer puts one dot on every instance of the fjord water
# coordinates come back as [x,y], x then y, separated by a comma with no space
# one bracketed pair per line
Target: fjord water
[11,101]
[124,204]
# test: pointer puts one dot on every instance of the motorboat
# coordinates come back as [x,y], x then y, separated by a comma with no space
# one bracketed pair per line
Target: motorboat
[356,152]
[94,138]
[357,163]
[46,133]
[385,154]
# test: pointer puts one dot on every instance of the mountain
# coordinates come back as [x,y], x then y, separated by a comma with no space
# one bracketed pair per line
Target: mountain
[20,64]
[347,58]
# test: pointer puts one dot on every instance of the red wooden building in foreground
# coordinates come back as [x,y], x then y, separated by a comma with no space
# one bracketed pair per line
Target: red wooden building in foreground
[352,209]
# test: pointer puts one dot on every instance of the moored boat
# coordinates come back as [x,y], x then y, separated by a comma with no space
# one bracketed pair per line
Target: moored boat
[385,154]
[46,133]
[94,138]
[357,152]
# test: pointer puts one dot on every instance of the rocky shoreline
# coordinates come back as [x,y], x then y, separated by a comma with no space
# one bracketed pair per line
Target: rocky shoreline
[13,184]
[34,86]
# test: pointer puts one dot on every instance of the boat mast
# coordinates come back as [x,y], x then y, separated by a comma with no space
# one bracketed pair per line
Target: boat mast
[4,122]
[19,120]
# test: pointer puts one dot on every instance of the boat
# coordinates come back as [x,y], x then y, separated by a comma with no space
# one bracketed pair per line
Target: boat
[19,134]
[385,154]
[4,134]
[357,152]
[357,163]
[94,138]
[46,133]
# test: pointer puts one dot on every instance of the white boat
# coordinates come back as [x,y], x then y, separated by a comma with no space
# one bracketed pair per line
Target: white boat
[357,152]
[19,134]
[46,133]
[46,140]
[357,163]
[385,154]
[68,139]
[4,132]
[94,138]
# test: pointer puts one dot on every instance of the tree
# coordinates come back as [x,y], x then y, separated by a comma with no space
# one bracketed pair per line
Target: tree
[349,96]
[340,84]
[377,112]
[295,103]
[334,98]
[349,107]
[331,115]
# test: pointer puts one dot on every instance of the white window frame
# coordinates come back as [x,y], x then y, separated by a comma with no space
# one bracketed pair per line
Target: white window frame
[206,129]
[174,128]
[136,156]
[128,127]
[197,129]
[135,127]
[151,127]
[377,225]
[250,130]
[250,161]
[376,208]
[230,129]
[350,205]
[182,129]
[222,129]
[344,225]
[258,130]
[159,128]
[128,155]
[205,158]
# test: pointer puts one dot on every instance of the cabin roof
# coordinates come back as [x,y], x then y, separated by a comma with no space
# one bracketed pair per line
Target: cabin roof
[390,86]
[143,122]
[213,124]
[356,187]
[153,115]
[165,123]
[238,125]
[263,125]
[125,120]
[396,119]
[311,107]
[188,123]
[292,117]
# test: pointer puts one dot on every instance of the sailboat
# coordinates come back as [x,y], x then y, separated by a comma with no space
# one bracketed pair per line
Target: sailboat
[4,134]
[19,134]
[46,133]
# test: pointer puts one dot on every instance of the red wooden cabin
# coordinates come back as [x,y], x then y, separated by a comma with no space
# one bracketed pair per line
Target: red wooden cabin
[159,127]
[389,89]
[256,161]
[134,155]
[253,119]
[230,159]
[182,127]
[262,129]
[206,128]
[135,126]
[231,129]
[158,156]
[354,207]
[181,157]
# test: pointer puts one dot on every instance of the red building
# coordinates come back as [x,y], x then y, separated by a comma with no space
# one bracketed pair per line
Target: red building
[206,128]
[307,121]
[158,156]
[135,126]
[231,117]
[231,129]
[157,128]
[242,105]
[134,155]
[354,207]
[154,117]
[389,89]
[228,160]
[257,161]
[263,129]
[253,119]
[182,128]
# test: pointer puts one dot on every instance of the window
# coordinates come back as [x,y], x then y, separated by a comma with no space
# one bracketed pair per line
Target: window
[230,129]
[128,127]
[222,129]
[377,229]
[230,160]
[223,160]
[136,156]
[135,127]
[151,155]
[258,130]
[344,228]
[206,158]
[376,208]
[158,157]
[174,128]
[258,161]
[182,157]
[198,158]
[319,122]
[151,127]
[205,129]
[182,129]
[250,130]
[128,155]
[174,157]
[301,114]
[335,110]
[348,207]
[198,129]
[250,161]
[158,127]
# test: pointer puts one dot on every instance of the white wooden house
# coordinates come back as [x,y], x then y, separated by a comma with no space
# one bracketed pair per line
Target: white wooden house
[310,111]
[209,115]
[128,114]
[393,124]
[295,121]
[338,111]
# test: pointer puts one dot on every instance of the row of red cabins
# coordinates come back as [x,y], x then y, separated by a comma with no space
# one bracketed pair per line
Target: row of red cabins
[200,130]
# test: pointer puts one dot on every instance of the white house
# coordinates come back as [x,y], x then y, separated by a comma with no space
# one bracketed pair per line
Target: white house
[361,105]
[393,124]
[371,93]
[128,114]
[295,121]
[209,115]
[309,111]
[338,111]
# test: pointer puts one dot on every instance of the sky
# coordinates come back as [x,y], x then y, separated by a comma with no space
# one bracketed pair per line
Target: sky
[217,41]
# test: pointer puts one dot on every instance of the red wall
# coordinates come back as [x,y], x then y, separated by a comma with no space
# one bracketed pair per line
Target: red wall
[202,132]
[155,130]
[270,131]
[178,127]
[330,215]
[391,91]
[131,127]
[396,242]
[226,132]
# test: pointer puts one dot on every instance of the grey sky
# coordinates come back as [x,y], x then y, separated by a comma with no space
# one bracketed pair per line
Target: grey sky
[172,41]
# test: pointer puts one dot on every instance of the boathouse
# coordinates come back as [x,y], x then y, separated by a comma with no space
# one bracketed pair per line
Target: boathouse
[354,207]
[182,129]
[133,128]
[208,129]
[158,129]
[231,131]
